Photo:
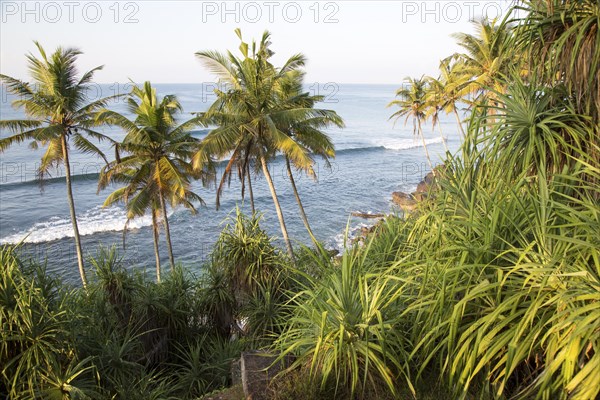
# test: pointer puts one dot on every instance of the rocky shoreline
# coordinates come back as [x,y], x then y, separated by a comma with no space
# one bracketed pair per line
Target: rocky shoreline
[409,201]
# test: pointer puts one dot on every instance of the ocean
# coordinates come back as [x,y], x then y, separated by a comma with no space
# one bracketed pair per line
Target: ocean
[374,158]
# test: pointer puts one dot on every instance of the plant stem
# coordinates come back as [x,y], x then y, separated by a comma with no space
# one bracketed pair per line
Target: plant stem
[163,206]
[65,152]
[284,231]
[302,213]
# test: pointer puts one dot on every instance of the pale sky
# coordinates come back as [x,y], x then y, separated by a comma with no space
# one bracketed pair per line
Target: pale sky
[344,41]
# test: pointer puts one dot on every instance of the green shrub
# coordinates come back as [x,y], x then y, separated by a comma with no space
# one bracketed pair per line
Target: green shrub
[36,356]
[502,270]
[344,329]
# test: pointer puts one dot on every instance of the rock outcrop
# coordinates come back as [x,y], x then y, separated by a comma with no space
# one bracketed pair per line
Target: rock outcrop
[405,201]
[365,215]
[425,188]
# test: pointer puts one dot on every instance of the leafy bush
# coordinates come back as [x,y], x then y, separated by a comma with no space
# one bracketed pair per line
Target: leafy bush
[242,289]
[345,329]
[503,268]
[36,356]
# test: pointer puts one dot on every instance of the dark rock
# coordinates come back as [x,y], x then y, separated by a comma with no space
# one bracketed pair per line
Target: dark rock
[257,370]
[429,179]
[405,201]
[419,196]
[367,215]
[426,184]
[333,253]
[422,187]
[236,372]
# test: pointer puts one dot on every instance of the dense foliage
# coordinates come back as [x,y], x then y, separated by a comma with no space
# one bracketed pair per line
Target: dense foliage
[489,290]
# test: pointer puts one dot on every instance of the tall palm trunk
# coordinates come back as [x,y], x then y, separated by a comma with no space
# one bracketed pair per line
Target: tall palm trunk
[65,153]
[459,123]
[302,213]
[442,136]
[425,145]
[163,207]
[284,232]
[156,252]
[250,192]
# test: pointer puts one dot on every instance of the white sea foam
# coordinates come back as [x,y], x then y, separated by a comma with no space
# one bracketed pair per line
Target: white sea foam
[396,144]
[405,144]
[92,221]
[342,241]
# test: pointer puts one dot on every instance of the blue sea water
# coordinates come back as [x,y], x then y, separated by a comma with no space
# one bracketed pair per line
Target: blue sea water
[374,157]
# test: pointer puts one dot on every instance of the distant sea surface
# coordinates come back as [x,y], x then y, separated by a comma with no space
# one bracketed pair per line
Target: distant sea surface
[373,159]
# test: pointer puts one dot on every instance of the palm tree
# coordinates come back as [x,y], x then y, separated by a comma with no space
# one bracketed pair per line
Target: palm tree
[455,89]
[308,133]
[487,58]
[157,170]
[250,111]
[244,161]
[412,104]
[55,103]
[435,98]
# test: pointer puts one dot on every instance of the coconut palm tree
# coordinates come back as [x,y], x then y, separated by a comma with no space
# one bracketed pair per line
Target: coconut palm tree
[487,58]
[309,134]
[435,98]
[243,160]
[250,111]
[157,170]
[412,103]
[58,114]
[456,88]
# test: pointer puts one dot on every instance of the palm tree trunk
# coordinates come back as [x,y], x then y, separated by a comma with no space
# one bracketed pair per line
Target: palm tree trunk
[284,232]
[425,147]
[72,210]
[459,123]
[167,231]
[442,136]
[156,253]
[302,213]
[250,189]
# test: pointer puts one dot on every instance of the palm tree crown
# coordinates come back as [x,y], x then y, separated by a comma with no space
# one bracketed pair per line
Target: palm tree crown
[412,103]
[157,169]
[487,58]
[255,110]
[59,114]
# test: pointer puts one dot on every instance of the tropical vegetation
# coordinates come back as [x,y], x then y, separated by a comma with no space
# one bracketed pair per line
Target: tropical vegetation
[59,113]
[490,289]
[156,170]
[412,104]
[262,111]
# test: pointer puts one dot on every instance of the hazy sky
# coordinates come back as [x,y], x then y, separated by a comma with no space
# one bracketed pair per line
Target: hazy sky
[344,41]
